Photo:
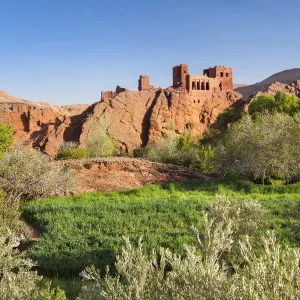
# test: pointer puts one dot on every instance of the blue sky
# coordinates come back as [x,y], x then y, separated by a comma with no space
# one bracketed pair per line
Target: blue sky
[68,51]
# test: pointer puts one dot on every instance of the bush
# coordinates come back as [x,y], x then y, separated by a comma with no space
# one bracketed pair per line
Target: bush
[181,150]
[99,143]
[281,102]
[6,138]
[71,150]
[271,273]
[229,115]
[30,175]
[264,148]
[17,280]
[9,215]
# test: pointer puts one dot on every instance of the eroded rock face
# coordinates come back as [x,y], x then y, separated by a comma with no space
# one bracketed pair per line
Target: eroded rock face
[133,118]
[37,125]
[137,119]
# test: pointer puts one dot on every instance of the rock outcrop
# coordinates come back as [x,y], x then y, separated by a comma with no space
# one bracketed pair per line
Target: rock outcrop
[38,125]
[137,119]
[284,77]
[133,118]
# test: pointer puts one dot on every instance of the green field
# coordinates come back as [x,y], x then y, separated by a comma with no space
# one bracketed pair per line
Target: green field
[87,229]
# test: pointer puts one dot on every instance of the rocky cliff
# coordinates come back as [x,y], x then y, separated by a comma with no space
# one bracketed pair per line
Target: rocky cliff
[133,118]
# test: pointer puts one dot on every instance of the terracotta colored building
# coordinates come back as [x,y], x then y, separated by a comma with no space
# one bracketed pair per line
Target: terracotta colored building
[213,80]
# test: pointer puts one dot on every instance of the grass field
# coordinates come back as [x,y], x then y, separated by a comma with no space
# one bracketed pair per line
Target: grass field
[87,229]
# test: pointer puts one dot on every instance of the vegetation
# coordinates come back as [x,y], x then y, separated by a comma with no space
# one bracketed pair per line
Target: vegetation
[99,143]
[264,148]
[18,280]
[281,103]
[71,150]
[6,138]
[181,150]
[82,230]
[30,175]
[207,271]
[228,116]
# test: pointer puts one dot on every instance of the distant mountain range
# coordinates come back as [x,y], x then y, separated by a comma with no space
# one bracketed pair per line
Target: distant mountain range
[286,77]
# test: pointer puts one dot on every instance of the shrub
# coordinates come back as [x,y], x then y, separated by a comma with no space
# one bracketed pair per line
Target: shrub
[272,273]
[30,175]
[6,138]
[264,148]
[281,102]
[229,115]
[71,150]
[181,150]
[17,280]
[99,143]
[9,215]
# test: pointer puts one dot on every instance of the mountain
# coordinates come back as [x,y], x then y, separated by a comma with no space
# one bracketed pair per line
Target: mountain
[285,77]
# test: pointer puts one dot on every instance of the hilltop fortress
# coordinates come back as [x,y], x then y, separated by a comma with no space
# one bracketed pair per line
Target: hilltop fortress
[201,87]
[132,118]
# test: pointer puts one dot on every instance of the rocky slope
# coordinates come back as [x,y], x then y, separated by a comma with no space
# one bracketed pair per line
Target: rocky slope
[133,118]
[137,119]
[38,125]
[285,77]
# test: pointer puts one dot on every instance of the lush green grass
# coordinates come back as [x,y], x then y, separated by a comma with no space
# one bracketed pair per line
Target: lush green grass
[82,230]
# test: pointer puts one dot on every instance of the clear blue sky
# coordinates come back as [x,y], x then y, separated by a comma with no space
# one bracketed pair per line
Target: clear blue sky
[68,51]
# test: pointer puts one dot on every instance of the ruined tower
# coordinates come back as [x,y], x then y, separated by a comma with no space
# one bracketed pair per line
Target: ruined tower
[179,75]
[144,83]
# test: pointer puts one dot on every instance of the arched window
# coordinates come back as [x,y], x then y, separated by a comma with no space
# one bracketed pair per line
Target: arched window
[198,85]
[198,100]
[193,85]
[220,86]
[207,86]
[202,86]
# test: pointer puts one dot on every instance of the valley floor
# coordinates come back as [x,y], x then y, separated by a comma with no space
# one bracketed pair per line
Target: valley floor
[81,230]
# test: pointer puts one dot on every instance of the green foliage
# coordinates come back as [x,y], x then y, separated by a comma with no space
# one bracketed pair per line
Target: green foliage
[6,138]
[281,102]
[99,144]
[264,148]
[181,150]
[30,175]
[87,229]
[72,153]
[204,273]
[17,280]
[229,115]
[9,215]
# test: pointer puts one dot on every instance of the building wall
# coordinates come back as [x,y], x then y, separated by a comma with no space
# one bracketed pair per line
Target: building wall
[223,76]
[144,83]
[179,75]
[201,84]
[107,95]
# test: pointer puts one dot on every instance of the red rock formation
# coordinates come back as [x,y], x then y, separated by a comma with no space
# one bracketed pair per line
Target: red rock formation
[133,118]
[37,125]
[137,119]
